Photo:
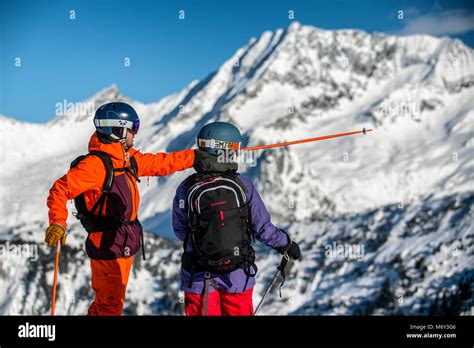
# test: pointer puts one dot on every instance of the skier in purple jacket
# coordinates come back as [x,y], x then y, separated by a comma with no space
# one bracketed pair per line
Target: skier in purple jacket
[222,293]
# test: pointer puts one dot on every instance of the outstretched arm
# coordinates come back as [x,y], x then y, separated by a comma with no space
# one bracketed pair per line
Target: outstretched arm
[161,164]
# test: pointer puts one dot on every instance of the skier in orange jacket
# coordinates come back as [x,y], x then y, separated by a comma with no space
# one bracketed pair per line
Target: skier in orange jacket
[109,201]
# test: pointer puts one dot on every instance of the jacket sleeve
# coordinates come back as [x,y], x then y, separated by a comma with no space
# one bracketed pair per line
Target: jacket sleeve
[161,164]
[180,218]
[262,227]
[88,175]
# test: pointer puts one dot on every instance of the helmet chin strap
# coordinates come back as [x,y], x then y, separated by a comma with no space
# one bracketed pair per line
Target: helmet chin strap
[124,144]
[114,137]
[123,141]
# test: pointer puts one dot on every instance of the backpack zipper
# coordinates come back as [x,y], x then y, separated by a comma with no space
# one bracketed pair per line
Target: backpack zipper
[199,184]
[215,188]
[221,215]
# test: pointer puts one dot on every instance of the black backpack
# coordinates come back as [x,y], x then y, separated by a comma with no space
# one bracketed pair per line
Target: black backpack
[98,222]
[219,225]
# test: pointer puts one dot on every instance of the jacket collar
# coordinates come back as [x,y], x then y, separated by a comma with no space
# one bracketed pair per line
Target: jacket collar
[115,150]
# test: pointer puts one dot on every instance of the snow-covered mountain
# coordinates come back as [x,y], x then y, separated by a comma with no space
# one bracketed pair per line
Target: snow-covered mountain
[384,220]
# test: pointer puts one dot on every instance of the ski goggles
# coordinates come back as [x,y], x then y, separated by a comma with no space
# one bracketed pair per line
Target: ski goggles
[131,126]
[135,126]
[218,144]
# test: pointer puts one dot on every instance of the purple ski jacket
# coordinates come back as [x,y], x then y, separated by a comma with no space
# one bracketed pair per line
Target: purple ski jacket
[262,228]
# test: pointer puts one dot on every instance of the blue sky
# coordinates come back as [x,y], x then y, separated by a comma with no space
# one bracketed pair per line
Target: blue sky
[65,59]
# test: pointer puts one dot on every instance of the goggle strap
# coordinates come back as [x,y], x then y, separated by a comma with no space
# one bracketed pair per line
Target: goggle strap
[218,144]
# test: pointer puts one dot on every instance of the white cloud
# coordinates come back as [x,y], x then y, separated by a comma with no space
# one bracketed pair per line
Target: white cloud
[441,23]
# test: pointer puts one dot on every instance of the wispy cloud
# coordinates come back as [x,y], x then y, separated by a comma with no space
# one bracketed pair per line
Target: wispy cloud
[440,23]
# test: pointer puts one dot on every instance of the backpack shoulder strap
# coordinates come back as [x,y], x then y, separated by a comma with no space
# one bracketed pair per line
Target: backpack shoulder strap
[132,169]
[109,169]
[109,179]
[107,186]
[192,180]
[236,177]
[77,161]
[134,165]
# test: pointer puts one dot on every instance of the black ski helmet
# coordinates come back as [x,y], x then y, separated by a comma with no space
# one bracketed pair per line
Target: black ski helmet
[217,136]
[113,120]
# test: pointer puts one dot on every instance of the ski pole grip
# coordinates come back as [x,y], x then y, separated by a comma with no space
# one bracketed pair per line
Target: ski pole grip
[284,261]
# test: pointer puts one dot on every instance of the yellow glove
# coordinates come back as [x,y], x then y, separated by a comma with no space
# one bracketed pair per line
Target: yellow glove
[54,233]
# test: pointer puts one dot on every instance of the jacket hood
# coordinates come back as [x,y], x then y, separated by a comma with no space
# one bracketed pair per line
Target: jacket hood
[207,163]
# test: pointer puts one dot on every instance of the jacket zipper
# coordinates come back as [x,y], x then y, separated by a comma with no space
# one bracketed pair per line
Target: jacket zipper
[126,176]
[130,189]
[136,217]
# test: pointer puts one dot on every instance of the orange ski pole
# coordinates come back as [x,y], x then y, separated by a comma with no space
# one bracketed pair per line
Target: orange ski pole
[260,147]
[55,279]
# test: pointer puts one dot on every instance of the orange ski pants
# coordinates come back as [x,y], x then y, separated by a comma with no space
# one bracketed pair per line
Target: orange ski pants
[109,282]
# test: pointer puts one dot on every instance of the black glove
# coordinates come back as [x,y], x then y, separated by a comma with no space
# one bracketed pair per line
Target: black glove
[293,251]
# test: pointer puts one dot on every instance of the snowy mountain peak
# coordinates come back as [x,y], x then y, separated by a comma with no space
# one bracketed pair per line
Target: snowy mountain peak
[81,111]
[294,26]
[108,94]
